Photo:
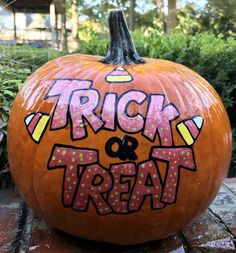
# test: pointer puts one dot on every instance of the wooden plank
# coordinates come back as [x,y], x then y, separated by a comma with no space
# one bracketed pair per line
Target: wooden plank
[206,235]
[47,239]
[224,208]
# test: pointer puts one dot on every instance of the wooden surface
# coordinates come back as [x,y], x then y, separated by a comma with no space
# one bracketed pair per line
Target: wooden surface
[214,231]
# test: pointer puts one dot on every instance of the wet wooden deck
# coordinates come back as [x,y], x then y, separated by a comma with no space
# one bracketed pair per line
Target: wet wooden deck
[214,231]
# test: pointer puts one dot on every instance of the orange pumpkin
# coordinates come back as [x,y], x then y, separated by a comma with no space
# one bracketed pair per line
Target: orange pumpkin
[120,149]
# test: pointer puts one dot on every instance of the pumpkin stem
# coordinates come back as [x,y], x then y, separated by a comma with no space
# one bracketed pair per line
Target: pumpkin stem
[121,50]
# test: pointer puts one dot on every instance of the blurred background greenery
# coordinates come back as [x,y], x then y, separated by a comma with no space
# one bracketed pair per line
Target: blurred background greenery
[199,35]
[186,16]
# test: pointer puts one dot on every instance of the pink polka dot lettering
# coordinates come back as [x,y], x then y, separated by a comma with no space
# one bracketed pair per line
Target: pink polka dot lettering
[129,185]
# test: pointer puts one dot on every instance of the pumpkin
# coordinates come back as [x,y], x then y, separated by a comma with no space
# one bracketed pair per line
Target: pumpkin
[118,149]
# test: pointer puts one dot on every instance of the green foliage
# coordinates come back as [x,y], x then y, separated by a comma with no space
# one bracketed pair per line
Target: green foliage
[16,63]
[146,20]
[5,179]
[9,87]
[97,10]
[219,17]
[187,20]
[95,44]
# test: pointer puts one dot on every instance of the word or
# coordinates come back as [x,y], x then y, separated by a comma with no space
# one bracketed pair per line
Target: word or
[126,148]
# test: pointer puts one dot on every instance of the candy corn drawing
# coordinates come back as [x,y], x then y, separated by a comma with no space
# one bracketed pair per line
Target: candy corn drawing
[190,128]
[36,124]
[119,75]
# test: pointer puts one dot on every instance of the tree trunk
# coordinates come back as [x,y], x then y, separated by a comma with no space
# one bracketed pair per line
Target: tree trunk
[160,8]
[53,23]
[171,20]
[57,33]
[132,14]
[14,22]
[74,14]
[63,27]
